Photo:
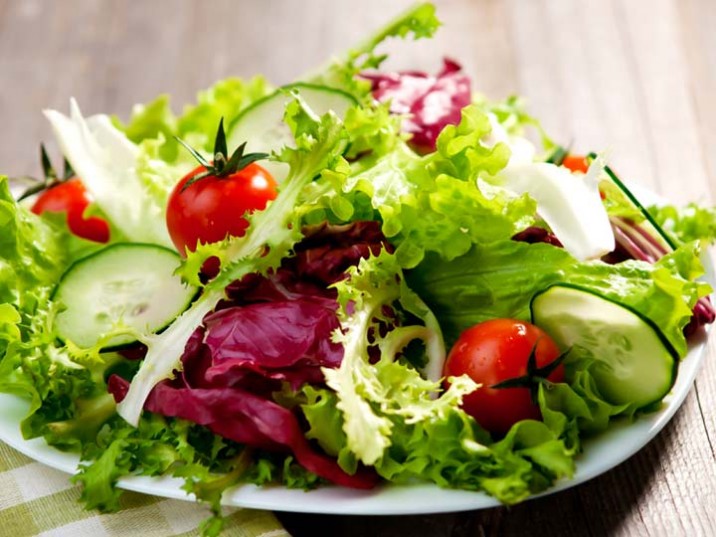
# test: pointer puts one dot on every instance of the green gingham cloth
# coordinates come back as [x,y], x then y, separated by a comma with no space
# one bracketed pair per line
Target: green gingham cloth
[36,500]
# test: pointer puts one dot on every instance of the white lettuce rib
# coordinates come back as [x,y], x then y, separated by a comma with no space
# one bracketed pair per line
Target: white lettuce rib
[164,351]
[106,162]
[569,203]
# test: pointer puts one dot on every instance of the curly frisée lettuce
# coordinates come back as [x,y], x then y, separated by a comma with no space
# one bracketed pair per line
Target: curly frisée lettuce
[269,238]
[34,252]
[367,298]
[417,22]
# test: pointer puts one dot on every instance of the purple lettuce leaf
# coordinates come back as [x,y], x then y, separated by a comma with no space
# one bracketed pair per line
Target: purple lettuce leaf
[269,330]
[430,102]
[273,339]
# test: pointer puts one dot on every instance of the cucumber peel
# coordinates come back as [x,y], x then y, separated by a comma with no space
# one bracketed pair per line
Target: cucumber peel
[127,288]
[634,362]
[262,128]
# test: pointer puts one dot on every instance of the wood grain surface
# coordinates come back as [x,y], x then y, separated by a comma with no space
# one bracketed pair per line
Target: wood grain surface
[636,78]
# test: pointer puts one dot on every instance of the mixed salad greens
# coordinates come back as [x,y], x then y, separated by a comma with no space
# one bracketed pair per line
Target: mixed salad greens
[282,313]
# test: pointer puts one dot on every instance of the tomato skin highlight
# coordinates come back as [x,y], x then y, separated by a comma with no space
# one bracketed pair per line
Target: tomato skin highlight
[71,197]
[492,352]
[213,207]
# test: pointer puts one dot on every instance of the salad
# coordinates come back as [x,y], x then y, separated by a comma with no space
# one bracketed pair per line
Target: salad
[361,277]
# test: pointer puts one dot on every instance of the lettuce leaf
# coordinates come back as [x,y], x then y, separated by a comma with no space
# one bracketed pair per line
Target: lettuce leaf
[418,22]
[686,224]
[106,161]
[432,202]
[498,280]
[512,116]
[151,121]
[198,122]
[33,251]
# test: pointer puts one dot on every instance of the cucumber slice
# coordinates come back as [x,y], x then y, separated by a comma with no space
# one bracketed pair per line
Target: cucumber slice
[635,362]
[131,283]
[261,125]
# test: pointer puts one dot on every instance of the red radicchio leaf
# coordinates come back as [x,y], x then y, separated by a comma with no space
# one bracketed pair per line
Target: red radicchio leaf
[535,234]
[432,102]
[270,329]
[320,259]
[269,337]
[704,314]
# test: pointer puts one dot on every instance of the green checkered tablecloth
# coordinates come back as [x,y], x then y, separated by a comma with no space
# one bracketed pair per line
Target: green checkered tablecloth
[36,500]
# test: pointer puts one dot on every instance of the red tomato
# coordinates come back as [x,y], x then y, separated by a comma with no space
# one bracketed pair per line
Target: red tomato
[71,197]
[576,163]
[492,352]
[213,207]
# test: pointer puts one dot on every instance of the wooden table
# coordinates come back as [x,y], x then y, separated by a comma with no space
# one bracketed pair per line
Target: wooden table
[636,78]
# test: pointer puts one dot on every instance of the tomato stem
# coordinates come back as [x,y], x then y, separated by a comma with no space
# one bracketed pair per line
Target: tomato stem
[558,155]
[535,375]
[50,175]
[223,166]
[47,169]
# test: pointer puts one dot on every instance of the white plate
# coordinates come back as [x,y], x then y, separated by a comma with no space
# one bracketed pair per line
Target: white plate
[600,454]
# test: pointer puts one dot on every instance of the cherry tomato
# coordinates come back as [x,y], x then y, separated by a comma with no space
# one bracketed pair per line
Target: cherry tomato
[71,197]
[576,163]
[213,207]
[495,351]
